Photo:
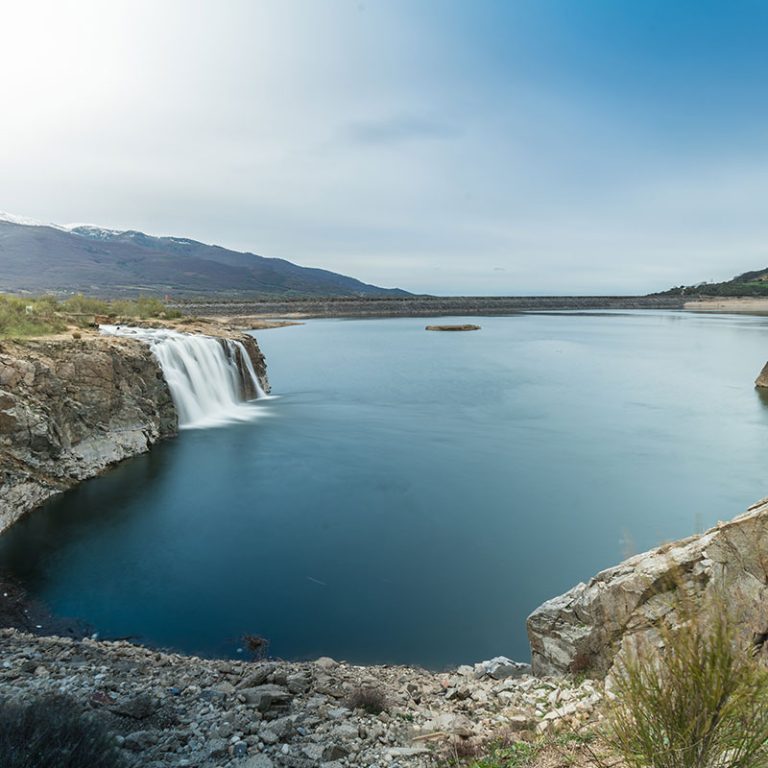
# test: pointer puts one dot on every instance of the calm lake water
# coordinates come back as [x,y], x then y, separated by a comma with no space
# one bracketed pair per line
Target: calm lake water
[412,496]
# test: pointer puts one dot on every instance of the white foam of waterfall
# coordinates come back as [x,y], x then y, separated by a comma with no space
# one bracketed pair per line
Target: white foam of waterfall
[203,374]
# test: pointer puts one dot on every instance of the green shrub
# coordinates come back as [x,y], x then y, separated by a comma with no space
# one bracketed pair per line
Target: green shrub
[700,701]
[21,316]
[52,732]
[145,307]
[516,754]
[28,317]
[86,305]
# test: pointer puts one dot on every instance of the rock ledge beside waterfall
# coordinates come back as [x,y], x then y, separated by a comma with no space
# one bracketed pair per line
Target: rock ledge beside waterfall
[69,408]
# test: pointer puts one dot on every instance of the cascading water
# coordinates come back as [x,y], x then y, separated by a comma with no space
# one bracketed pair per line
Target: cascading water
[208,377]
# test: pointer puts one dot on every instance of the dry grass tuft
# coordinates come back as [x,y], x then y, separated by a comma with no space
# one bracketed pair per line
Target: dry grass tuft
[700,700]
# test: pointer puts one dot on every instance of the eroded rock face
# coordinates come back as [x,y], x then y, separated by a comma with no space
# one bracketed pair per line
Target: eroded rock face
[584,629]
[259,366]
[762,380]
[69,408]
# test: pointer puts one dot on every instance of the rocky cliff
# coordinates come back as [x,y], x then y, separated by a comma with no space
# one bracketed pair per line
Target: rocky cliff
[69,408]
[259,366]
[584,629]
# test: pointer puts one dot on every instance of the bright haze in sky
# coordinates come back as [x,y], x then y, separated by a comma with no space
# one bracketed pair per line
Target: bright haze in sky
[474,147]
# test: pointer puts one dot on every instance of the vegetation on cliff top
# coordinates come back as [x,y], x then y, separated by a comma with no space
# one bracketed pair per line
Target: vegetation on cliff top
[747,284]
[23,317]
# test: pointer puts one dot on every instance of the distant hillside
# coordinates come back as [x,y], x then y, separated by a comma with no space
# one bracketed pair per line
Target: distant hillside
[42,258]
[747,284]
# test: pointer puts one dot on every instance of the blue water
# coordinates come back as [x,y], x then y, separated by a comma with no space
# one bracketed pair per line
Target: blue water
[412,496]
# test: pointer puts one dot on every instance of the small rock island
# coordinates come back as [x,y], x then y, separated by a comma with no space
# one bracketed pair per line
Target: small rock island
[452,328]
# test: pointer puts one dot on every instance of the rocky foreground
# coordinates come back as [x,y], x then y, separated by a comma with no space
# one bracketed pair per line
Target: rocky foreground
[175,710]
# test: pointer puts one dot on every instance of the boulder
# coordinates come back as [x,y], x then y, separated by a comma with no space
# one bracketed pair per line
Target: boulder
[267,698]
[500,667]
[258,761]
[299,682]
[257,676]
[136,707]
[762,380]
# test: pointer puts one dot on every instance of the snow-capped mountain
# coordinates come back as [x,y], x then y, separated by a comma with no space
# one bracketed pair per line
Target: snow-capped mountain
[24,221]
[39,257]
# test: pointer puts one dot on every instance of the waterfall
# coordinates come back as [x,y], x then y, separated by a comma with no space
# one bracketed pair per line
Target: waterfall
[209,378]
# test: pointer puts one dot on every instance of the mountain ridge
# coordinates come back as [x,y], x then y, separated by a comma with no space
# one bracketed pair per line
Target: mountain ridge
[36,257]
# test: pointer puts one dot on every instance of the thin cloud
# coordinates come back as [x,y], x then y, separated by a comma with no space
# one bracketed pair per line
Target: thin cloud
[443,147]
[400,129]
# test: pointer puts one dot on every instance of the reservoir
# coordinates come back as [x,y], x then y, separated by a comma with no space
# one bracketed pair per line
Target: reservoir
[409,497]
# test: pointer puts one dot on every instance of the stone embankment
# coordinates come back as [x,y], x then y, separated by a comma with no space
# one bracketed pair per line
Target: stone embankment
[420,306]
[584,629]
[70,407]
[174,710]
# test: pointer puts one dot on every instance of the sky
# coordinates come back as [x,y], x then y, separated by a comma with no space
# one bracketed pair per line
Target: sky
[441,146]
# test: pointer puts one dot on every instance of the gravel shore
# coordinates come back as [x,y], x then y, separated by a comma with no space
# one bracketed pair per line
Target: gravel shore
[168,709]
